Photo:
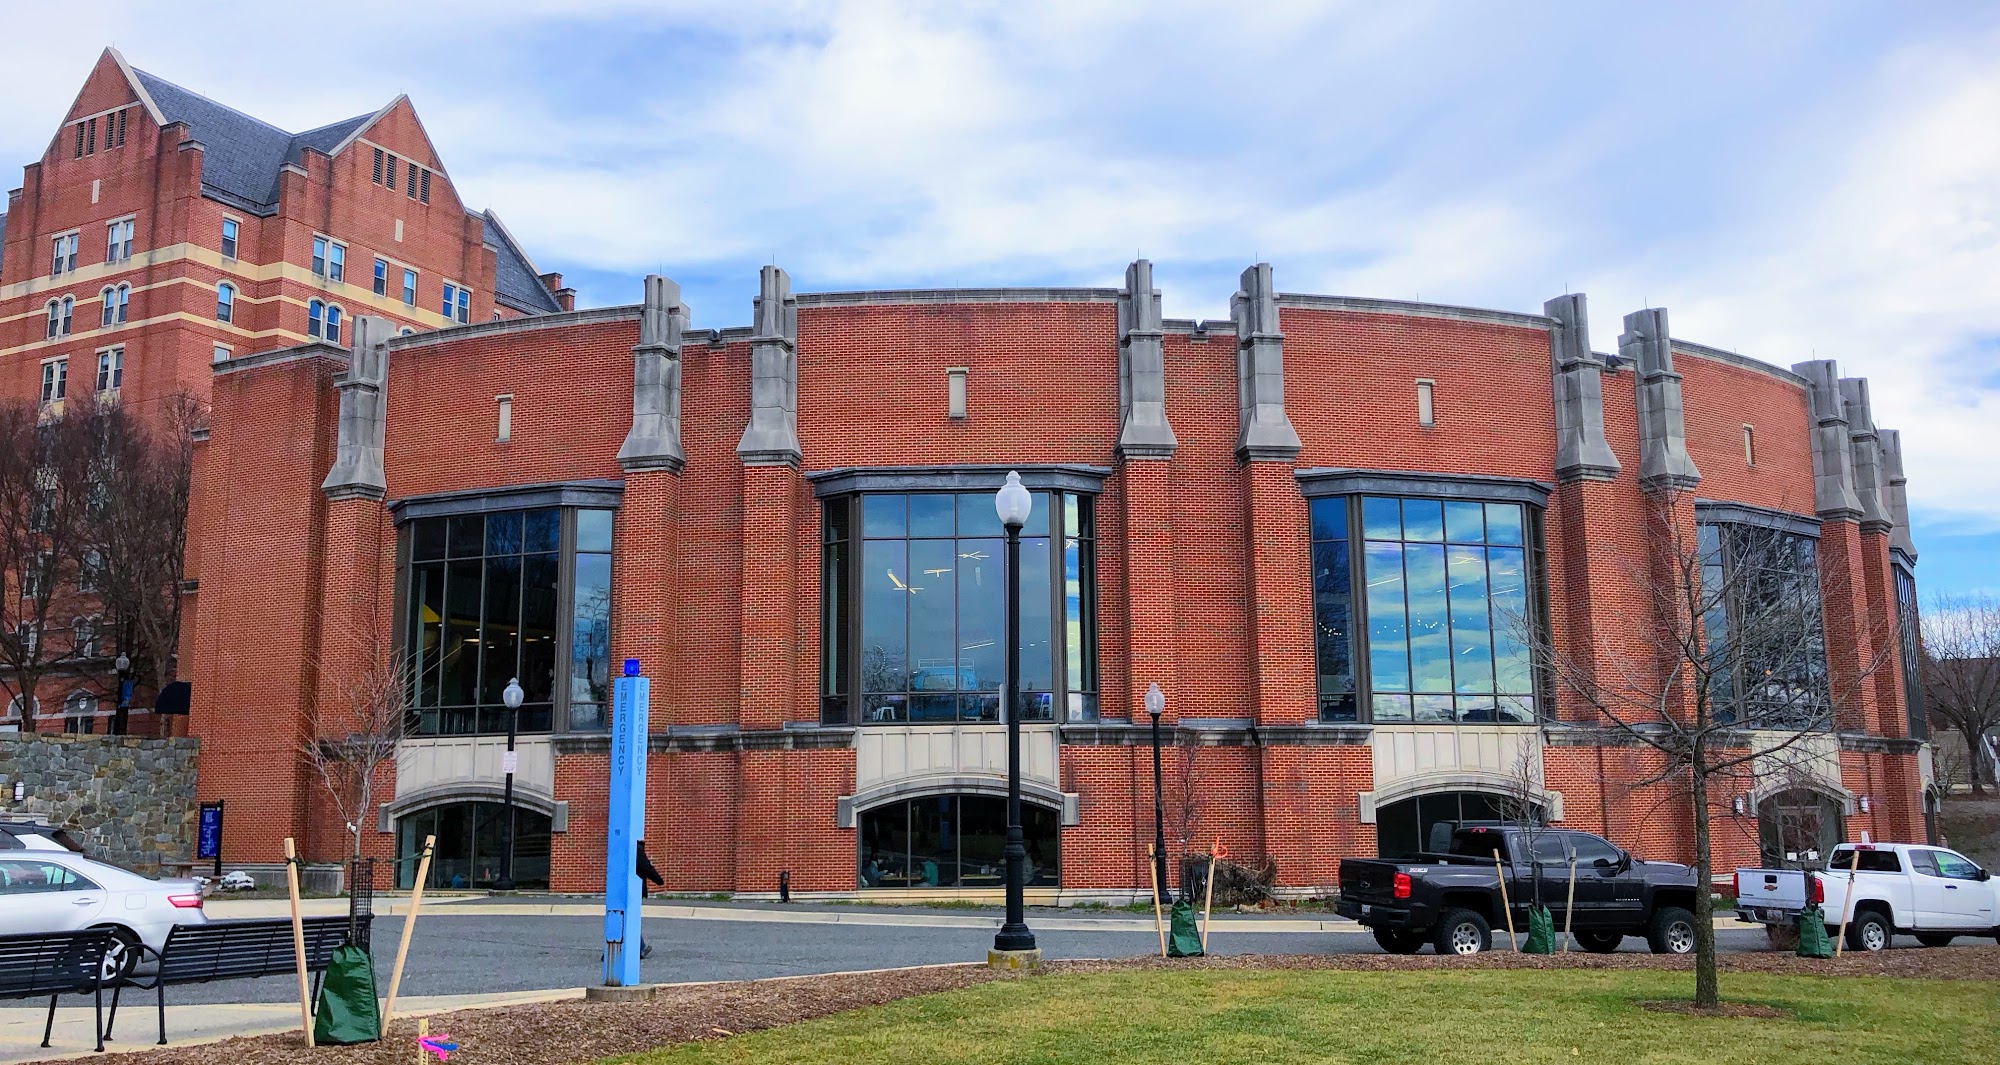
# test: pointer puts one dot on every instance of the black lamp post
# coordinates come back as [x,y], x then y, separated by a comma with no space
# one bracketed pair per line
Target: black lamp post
[1013,504]
[1156,704]
[122,718]
[512,697]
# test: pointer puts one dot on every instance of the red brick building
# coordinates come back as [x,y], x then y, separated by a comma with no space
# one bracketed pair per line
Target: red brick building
[162,233]
[1332,530]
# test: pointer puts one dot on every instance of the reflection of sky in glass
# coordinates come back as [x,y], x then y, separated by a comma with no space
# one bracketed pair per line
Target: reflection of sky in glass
[1446,611]
[933,606]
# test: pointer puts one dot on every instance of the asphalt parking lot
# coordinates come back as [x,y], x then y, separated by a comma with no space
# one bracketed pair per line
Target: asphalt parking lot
[462,950]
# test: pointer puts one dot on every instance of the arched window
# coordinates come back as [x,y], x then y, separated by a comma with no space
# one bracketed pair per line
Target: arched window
[55,318]
[1422,824]
[952,841]
[116,301]
[80,713]
[1798,828]
[469,844]
[333,324]
[225,302]
[12,721]
[315,316]
[62,315]
[83,637]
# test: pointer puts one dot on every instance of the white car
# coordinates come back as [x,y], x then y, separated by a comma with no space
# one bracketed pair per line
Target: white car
[61,891]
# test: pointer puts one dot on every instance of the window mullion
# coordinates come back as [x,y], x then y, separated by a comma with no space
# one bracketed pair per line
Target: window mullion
[1357,614]
[565,620]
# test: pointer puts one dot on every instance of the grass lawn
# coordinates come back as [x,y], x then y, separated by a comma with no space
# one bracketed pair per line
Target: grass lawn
[1274,1017]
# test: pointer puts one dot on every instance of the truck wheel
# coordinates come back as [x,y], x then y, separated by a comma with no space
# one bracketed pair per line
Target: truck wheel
[1935,939]
[1672,931]
[1868,931]
[1463,932]
[1399,940]
[1599,942]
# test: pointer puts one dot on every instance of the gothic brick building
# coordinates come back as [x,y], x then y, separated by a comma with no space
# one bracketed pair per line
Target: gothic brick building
[162,233]
[1334,531]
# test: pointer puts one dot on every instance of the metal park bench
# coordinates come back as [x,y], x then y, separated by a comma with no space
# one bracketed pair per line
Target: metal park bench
[54,964]
[234,950]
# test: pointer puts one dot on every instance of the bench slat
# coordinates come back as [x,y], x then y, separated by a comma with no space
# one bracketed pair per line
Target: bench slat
[51,963]
[228,950]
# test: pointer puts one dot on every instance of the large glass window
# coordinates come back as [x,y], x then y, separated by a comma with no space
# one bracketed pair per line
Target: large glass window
[1910,641]
[914,609]
[1765,644]
[511,594]
[953,841]
[1427,606]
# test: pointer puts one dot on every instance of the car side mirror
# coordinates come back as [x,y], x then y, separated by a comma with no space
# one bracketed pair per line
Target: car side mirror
[1604,863]
[1984,876]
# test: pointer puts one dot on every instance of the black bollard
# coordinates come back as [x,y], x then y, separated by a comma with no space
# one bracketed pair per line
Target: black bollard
[785,886]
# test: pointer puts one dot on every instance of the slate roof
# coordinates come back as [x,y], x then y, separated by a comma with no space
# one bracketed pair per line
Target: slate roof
[516,282]
[242,155]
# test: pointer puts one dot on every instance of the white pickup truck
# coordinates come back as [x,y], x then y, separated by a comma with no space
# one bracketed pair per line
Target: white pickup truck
[1909,888]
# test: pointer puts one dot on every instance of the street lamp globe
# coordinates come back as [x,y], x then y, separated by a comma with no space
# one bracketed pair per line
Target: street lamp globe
[1156,700]
[1013,502]
[513,695]
[123,664]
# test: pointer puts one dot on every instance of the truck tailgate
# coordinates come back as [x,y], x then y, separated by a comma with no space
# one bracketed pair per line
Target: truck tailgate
[1368,880]
[1778,889]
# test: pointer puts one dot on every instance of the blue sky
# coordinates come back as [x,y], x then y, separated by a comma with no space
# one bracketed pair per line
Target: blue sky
[1790,180]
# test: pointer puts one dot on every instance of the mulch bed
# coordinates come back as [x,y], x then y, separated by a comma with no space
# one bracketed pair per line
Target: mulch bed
[565,1032]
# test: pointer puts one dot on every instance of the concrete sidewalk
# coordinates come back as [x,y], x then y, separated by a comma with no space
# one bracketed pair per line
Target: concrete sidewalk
[138,1022]
[778,913]
[227,909]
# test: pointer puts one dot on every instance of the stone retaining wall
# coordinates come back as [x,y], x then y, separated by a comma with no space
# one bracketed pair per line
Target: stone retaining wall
[129,800]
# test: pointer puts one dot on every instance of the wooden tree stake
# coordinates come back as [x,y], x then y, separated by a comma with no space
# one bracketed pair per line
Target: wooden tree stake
[1569,907]
[298,938]
[1208,899]
[1505,906]
[1159,920]
[409,925]
[1846,905]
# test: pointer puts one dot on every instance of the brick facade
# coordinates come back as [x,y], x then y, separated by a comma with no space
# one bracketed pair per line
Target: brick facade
[180,167]
[1203,584]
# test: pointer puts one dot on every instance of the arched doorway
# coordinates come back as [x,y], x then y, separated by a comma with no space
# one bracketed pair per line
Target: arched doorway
[1423,823]
[943,841]
[471,840]
[1797,828]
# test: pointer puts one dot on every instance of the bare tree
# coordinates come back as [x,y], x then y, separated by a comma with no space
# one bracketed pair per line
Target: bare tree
[357,733]
[137,529]
[46,568]
[1722,676]
[1961,674]
[1521,806]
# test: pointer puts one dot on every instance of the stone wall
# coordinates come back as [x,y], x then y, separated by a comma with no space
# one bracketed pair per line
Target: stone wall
[129,800]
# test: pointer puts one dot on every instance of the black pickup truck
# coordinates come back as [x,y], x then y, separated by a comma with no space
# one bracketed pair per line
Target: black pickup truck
[1452,900]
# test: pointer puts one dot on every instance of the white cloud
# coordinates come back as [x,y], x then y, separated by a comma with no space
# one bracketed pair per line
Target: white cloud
[1785,187]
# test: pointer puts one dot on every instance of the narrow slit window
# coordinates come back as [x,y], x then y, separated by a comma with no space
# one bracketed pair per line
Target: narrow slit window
[377,173]
[955,391]
[424,187]
[1749,445]
[504,431]
[1426,404]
